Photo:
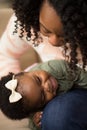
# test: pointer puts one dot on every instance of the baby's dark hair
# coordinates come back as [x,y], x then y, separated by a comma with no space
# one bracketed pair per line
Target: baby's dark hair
[73,14]
[16,110]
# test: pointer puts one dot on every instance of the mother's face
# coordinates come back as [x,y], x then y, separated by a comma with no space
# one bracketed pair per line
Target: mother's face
[50,25]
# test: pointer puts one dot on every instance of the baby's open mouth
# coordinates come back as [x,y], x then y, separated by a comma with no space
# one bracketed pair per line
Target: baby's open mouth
[53,85]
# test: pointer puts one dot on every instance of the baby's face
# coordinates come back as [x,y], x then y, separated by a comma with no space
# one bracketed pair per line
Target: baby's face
[38,87]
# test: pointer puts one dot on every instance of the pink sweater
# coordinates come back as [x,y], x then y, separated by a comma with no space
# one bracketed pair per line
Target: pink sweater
[12,47]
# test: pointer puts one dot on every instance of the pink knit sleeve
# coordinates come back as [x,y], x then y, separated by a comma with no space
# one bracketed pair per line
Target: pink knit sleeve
[11,48]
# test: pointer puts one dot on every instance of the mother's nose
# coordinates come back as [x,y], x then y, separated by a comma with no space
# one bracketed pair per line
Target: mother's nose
[54,40]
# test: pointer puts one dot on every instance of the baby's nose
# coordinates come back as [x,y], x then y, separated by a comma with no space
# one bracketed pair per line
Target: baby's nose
[47,87]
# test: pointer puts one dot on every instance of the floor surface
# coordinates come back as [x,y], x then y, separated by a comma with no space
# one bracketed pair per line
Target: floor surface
[7,124]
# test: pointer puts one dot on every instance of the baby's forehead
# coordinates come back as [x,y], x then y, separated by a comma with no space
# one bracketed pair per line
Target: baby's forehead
[19,74]
[19,77]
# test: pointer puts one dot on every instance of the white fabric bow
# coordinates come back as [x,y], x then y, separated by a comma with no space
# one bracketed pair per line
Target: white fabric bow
[15,96]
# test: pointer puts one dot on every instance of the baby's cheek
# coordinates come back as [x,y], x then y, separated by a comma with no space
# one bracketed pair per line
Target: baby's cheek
[50,97]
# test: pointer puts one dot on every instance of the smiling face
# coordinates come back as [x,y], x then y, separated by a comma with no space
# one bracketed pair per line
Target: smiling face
[38,87]
[50,25]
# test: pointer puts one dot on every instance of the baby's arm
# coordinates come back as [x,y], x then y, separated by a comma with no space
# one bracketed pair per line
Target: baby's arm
[35,121]
[37,118]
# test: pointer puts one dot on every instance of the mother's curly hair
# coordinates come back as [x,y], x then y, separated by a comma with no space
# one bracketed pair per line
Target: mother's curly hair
[73,14]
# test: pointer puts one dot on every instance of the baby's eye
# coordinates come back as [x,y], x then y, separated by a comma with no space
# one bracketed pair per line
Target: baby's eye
[38,79]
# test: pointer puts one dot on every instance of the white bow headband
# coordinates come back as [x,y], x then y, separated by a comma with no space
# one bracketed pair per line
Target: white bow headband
[11,85]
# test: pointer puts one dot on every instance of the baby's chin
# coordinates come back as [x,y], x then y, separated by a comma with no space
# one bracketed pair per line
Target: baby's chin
[53,96]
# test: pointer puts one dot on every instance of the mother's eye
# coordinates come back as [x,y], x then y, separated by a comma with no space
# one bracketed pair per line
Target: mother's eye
[44,31]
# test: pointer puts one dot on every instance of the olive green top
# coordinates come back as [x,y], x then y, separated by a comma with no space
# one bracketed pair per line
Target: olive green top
[65,76]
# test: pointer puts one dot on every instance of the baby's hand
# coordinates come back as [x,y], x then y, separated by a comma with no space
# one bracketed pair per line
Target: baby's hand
[37,118]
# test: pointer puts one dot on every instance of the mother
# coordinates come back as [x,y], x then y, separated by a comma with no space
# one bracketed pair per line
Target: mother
[62,23]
